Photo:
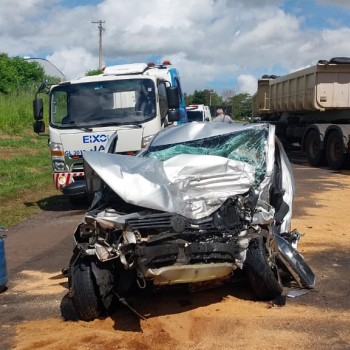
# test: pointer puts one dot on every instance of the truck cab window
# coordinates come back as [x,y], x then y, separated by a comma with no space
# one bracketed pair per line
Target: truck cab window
[59,107]
[121,102]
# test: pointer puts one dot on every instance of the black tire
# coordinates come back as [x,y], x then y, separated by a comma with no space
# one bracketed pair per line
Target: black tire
[314,154]
[84,291]
[335,150]
[263,275]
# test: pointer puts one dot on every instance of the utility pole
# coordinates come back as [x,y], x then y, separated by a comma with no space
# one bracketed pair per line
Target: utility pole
[101,29]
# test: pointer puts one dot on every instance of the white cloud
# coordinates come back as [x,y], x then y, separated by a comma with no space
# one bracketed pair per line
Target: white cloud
[214,43]
[246,84]
[74,63]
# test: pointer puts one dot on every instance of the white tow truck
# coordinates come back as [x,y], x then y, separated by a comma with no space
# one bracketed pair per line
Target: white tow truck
[135,100]
[198,113]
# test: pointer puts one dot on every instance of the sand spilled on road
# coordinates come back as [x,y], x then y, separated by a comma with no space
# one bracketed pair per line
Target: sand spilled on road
[39,283]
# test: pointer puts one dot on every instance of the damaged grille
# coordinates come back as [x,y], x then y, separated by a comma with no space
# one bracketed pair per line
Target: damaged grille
[230,217]
[174,239]
[177,252]
[161,220]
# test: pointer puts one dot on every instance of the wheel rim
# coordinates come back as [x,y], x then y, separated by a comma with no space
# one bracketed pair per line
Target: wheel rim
[313,148]
[335,150]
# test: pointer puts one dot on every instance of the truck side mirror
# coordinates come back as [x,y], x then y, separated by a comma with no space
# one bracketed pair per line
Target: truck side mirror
[39,126]
[38,109]
[172,93]
[173,115]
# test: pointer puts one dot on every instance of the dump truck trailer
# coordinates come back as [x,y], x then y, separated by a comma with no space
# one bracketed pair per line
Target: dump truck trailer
[310,108]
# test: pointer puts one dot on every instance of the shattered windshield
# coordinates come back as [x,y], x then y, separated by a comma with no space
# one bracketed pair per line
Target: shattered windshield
[246,145]
[118,102]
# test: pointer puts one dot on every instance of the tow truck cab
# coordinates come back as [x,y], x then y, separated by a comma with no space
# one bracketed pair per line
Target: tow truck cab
[135,100]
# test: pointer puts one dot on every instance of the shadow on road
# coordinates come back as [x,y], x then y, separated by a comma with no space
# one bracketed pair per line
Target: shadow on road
[173,300]
[59,203]
[164,301]
[177,299]
[298,157]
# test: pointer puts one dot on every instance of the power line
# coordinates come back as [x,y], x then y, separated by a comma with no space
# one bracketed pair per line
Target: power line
[101,29]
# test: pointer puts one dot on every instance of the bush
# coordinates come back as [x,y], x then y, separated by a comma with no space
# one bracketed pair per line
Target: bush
[17,74]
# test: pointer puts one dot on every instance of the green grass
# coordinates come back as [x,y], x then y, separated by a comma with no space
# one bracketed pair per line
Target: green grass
[25,166]
[15,112]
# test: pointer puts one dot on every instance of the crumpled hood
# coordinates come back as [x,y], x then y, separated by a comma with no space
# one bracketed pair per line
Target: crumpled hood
[193,168]
[191,185]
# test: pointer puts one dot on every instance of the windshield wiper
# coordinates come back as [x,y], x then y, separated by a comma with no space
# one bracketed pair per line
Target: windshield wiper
[133,125]
[89,127]
[72,125]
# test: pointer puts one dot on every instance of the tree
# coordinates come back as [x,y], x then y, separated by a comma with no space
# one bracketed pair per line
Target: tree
[227,94]
[241,106]
[206,97]
[18,74]
[94,72]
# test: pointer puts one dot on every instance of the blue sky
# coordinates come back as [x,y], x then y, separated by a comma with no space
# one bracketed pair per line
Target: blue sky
[216,44]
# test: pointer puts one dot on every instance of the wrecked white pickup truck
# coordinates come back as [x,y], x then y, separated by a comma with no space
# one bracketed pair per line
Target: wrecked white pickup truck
[203,200]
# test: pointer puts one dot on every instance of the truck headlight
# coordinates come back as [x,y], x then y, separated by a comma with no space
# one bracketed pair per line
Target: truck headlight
[58,165]
[57,151]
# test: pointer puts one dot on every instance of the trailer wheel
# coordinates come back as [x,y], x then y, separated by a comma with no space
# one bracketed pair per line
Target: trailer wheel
[262,271]
[314,154]
[84,291]
[335,150]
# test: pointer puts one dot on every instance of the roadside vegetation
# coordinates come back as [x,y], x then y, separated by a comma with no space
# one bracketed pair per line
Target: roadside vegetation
[25,169]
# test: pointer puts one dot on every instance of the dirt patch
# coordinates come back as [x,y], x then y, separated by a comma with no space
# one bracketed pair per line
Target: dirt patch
[11,152]
[226,317]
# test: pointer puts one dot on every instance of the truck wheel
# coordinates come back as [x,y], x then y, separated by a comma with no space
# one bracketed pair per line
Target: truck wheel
[335,150]
[314,154]
[262,271]
[84,291]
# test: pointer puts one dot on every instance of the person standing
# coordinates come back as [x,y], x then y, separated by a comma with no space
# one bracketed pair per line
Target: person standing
[222,117]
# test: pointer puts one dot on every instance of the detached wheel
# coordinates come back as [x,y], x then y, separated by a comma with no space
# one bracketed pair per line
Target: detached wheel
[262,271]
[84,291]
[335,150]
[314,154]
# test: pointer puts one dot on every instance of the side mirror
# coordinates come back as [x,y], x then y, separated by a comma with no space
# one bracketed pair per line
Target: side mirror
[39,126]
[172,93]
[173,115]
[38,109]
[207,119]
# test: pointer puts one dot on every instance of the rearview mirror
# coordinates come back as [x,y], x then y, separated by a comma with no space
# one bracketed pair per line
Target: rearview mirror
[172,93]
[38,109]
[173,115]
[39,126]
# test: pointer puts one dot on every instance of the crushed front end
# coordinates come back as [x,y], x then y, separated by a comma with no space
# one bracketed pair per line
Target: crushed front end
[202,201]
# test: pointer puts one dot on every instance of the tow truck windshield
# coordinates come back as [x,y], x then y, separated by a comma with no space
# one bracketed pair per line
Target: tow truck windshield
[121,102]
